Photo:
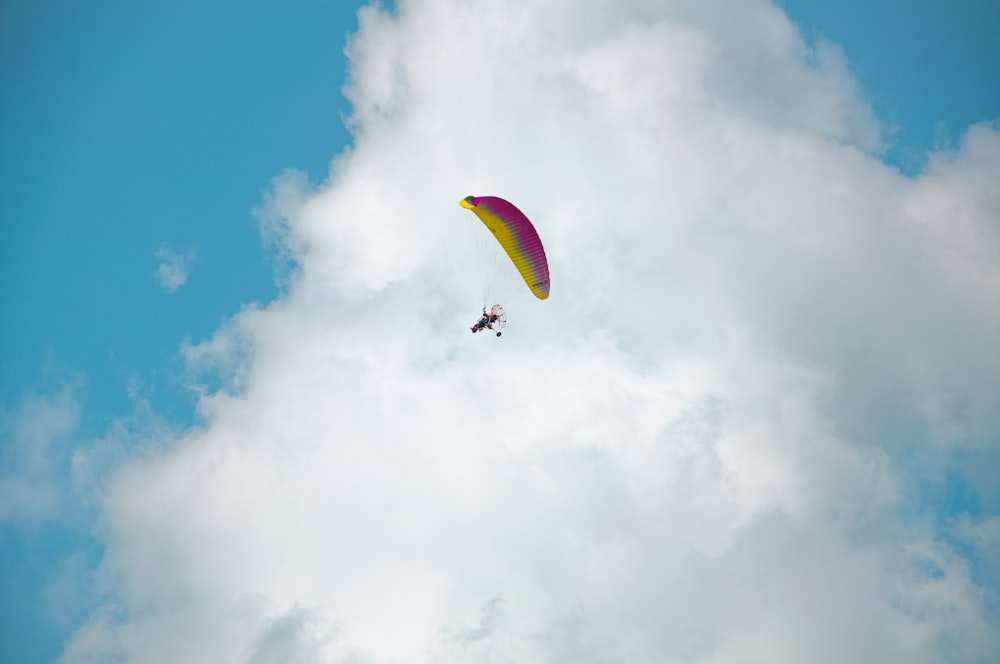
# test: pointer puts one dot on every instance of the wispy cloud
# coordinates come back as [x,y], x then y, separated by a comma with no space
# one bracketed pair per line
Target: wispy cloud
[32,471]
[174,267]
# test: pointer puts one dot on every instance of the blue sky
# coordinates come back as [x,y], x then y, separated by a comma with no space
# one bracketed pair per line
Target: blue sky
[125,126]
[125,129]
[128,129]
[926,66]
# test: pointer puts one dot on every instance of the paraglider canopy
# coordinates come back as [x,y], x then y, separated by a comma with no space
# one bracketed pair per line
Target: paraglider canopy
[518,237]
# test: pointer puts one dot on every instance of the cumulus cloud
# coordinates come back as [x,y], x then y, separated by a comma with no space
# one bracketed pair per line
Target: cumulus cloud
[762,349]
[174,267]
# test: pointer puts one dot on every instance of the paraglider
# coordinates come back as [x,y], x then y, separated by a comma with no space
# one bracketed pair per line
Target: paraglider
[519,240]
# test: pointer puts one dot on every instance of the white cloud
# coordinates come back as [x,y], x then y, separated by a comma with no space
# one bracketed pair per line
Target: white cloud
[30,475]
[702,448]
[174,267]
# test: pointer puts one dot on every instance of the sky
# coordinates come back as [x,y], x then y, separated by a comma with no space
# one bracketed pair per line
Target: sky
[242,418]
